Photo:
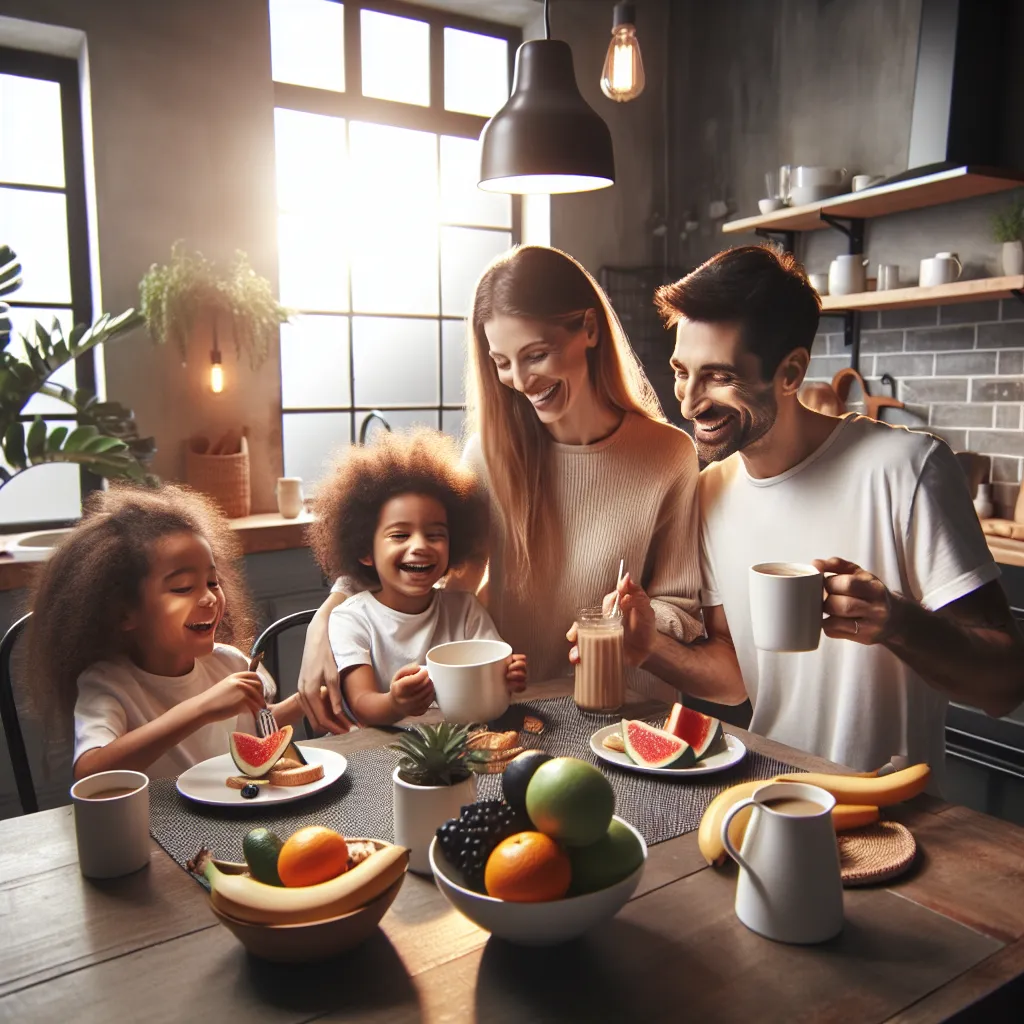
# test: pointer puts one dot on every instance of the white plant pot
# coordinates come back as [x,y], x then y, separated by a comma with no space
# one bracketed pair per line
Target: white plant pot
[1013,258]
[421,810]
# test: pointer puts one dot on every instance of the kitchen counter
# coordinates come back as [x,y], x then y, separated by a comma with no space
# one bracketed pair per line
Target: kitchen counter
[266,531]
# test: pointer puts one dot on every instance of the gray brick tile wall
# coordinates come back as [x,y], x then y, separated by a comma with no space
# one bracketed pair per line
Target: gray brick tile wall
[959,370]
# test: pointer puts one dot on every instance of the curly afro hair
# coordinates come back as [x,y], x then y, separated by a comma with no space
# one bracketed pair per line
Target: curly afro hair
[348,503]
[83,592]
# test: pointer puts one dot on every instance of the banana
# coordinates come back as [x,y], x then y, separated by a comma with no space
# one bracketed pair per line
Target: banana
[709,834]
[242,897]
[880,791]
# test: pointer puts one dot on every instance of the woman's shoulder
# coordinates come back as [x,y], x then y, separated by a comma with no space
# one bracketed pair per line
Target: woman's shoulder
[661,444]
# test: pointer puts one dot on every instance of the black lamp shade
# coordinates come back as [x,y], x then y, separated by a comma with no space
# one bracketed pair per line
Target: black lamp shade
[546,138]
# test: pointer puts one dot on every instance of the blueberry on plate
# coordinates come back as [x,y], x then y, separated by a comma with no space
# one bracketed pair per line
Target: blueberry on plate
[250,791]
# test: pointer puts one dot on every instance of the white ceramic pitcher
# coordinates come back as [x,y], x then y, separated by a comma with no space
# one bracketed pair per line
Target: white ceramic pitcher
[789,886]
[846,275]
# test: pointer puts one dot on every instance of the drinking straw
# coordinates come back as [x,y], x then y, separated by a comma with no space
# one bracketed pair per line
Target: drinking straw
[618,580]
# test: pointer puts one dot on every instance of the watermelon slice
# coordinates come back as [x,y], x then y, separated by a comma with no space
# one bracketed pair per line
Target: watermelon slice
[255,756]
[655,748]
[703,733]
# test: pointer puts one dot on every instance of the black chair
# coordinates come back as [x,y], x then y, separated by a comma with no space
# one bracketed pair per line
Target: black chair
[266,643]
[12,727]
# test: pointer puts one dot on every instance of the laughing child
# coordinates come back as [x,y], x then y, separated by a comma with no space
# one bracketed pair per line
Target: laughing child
[397,516]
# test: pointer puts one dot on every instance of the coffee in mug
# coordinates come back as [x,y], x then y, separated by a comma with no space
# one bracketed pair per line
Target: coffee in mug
[786,600]
[600,682]
[112,823]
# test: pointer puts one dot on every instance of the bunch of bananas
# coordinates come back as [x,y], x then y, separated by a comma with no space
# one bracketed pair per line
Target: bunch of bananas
[236,894]
[858,798]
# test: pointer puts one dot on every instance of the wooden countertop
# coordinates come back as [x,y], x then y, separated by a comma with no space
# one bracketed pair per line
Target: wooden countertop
[920,949]
[266,531]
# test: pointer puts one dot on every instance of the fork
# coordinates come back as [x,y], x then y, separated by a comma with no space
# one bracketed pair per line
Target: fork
[266,723]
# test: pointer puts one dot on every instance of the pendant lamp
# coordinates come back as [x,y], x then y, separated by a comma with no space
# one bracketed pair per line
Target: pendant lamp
[546,139]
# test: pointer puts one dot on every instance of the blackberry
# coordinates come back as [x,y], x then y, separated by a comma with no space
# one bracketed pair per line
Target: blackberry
[467,841]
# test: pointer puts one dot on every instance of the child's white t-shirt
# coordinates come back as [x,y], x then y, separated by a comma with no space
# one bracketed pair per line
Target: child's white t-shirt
[365,632]
[116,696]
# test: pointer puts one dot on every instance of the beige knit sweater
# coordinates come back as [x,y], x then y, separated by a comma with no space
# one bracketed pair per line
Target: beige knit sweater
[632,495]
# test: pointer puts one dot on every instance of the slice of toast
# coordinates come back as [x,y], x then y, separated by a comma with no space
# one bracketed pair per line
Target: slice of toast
[241,781]
[300,776]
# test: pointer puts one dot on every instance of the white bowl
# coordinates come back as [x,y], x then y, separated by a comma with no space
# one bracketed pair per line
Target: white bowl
[770,205]
[469,679]
[535,924]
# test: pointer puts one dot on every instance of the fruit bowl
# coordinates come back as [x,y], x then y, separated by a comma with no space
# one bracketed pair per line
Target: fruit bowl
[319,940]
[535,924]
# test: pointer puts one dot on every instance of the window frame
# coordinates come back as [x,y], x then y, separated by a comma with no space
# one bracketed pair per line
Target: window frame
[65,72]
[351,105]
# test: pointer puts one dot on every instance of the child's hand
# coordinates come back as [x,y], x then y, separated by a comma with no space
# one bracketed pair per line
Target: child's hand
[411,691]
[515,673]
[242,691]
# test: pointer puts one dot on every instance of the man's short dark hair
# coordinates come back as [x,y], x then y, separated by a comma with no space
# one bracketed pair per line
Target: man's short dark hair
[765,293]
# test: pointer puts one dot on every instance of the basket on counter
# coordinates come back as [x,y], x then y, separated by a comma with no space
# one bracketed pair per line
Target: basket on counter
[225,478]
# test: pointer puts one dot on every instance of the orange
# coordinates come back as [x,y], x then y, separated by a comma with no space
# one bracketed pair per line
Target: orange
[528,867]
[312,855]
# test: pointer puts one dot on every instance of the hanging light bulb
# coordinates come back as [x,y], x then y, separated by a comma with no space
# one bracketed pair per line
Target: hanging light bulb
[622,78]
[546,139]
[216,373]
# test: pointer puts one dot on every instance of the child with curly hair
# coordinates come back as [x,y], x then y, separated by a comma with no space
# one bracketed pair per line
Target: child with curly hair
[398,516]
[124,634]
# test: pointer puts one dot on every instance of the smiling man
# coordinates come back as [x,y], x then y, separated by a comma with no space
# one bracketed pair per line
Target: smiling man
[914,615]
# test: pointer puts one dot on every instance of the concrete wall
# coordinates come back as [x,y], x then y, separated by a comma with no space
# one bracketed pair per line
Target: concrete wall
[183,143]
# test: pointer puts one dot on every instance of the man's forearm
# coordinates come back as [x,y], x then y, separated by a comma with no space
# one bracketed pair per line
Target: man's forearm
[706,669]
[973,664]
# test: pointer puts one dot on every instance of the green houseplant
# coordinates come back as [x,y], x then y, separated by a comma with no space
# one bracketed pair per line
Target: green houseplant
[177,296]
[106,440]
[1008,228]
[430,784]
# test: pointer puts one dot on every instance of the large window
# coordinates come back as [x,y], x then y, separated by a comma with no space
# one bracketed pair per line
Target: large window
[42,217]
[382,230]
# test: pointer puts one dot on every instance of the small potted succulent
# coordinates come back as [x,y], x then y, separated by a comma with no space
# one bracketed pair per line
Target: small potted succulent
[430,784]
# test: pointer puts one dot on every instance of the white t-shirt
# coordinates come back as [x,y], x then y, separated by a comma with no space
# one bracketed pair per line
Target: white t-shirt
[365,632]
[115,697]
[896,503]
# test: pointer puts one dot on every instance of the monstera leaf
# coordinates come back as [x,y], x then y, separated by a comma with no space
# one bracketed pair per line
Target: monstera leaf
[105,439]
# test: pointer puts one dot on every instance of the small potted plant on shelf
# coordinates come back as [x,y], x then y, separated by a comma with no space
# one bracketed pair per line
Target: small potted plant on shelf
[430,784]
[1008,228]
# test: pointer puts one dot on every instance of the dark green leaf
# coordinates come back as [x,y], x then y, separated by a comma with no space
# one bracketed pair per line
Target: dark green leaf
[104,444]
[14,445]
[36,443]
[56,438]
[78,439]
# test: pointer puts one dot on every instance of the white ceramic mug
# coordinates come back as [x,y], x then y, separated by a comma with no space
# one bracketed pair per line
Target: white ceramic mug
[113,831]
[289,496]
[888,276]
[863,181]
[786,601]
[846,275]
[469,679]
[942,268]
[790,887]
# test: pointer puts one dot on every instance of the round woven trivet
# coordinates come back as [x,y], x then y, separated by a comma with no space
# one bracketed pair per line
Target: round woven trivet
[875,853]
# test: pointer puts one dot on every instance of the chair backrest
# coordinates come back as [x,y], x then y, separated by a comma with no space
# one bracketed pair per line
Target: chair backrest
[12,727]
[266,642]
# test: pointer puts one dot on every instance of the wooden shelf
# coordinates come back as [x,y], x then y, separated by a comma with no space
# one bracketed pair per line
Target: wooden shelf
[939,295]
[914,194]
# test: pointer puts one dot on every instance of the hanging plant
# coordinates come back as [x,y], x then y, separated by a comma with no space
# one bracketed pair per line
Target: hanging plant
[190,287]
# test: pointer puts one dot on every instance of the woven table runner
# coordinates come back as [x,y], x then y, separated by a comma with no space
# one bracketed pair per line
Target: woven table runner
[359,803]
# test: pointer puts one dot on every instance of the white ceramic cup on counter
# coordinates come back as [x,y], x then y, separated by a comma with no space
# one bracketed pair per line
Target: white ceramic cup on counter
[790,885]
[942,268]
[112,823]
[786,605]
[469,679]
[289,496]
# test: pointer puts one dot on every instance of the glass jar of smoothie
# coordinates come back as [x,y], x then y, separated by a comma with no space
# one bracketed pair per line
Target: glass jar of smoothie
[600,683]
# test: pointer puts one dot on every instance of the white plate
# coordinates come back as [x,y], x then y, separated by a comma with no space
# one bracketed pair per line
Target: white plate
[204,782]
[734,753]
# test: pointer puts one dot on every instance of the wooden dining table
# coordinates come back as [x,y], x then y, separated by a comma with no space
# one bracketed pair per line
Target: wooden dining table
[146,947]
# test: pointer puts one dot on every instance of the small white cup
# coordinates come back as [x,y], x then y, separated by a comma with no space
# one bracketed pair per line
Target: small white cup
[289,496]
[786,600]
[863,181]
[469,679]
[112,832]
[942,268]
[888,276]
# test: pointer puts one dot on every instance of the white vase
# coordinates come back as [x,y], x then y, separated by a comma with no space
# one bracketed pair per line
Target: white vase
[419,812]
[1013,258]
[983,501]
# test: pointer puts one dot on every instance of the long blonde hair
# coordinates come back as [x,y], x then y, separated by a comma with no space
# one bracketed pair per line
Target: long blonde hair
[535,282]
